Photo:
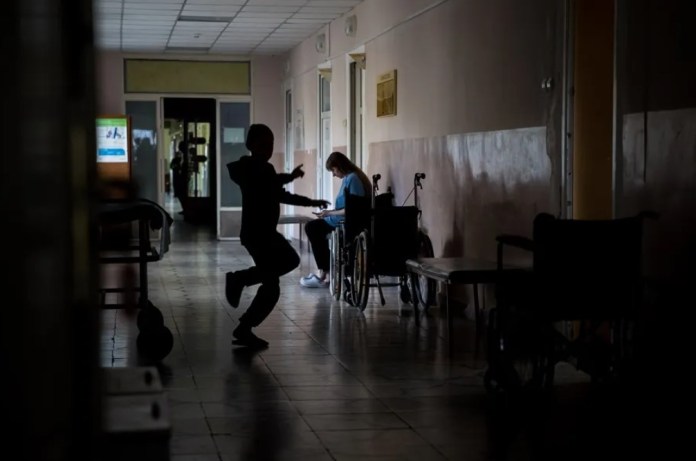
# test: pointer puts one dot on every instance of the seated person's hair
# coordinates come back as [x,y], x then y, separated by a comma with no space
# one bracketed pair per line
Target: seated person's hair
[344,165]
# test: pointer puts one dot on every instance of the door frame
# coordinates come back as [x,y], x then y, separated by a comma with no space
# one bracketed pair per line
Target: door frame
[355,77]
[289,161]
[567,118]
[324,180]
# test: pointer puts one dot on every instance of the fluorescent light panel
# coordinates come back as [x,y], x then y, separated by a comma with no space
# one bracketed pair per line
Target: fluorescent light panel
[183,18]
[187,49]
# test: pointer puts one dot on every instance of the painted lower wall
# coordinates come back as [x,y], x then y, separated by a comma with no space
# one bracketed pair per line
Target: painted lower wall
[477,185]
[663,179]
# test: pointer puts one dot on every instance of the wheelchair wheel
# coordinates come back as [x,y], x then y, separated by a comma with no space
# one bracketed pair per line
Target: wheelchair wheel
[424,287]
[336,263]
[361,277]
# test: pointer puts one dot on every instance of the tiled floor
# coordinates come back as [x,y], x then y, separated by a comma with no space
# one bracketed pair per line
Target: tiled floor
[335,383]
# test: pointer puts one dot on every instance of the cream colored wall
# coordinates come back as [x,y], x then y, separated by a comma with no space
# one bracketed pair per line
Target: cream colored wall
[109,82]
[266,83]
[462,67]
[268,97]
[470,110]
[374,18]
[340,105]
[305,98]
[457,71]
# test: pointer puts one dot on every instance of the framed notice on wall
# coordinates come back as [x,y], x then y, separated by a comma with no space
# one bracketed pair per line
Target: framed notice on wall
[114,148]
[386,94]
[113,139]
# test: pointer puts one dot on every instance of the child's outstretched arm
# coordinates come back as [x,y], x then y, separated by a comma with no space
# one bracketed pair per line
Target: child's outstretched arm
[285,178]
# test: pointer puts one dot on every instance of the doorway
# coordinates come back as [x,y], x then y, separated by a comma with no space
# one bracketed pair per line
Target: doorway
[191,124]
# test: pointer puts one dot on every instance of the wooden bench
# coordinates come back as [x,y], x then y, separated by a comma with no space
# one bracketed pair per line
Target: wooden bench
[458,271]
[299,219]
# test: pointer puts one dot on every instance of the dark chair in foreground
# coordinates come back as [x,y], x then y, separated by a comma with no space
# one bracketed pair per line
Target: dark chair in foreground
[578,303]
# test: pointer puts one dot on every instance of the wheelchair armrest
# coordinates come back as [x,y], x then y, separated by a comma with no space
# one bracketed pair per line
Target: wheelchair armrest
[516,241]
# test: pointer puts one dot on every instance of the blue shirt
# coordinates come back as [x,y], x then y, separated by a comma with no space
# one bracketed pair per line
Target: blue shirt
[355,187]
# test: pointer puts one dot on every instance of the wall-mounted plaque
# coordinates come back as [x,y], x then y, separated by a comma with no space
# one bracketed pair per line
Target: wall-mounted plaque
[386,94]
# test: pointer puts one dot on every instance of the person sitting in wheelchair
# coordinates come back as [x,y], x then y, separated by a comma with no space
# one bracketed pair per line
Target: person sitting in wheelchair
[317,230]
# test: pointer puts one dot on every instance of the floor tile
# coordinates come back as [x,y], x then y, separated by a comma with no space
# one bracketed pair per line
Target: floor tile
[336,383]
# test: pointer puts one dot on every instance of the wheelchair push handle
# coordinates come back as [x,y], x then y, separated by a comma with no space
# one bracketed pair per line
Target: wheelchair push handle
[375,180]
[416,185]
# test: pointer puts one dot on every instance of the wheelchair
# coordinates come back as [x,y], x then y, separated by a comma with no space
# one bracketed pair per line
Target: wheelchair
[578,303]
[374,240]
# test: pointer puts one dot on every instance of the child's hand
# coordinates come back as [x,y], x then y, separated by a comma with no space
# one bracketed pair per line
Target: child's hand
[297,172]
[321,204]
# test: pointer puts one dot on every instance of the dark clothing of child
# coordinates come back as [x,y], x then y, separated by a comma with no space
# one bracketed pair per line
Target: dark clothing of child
[262,193]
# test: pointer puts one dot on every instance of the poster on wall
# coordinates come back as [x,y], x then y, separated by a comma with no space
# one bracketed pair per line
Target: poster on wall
[112,139]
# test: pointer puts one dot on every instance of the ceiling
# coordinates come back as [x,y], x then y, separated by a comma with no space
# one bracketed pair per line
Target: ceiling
[239,27]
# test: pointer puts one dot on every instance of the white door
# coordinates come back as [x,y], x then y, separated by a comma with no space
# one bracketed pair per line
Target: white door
[324,177]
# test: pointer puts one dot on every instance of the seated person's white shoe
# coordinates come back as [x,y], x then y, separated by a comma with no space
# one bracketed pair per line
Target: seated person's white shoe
[313,281]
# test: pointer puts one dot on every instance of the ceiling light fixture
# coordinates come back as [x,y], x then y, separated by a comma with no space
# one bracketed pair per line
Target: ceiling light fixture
[205,19]
[187,49]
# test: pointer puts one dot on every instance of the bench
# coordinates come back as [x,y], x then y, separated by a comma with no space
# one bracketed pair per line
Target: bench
[298,219]
[458,271]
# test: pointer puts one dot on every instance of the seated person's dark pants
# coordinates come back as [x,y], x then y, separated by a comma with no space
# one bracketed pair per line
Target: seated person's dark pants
[273,257]
[317,230]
